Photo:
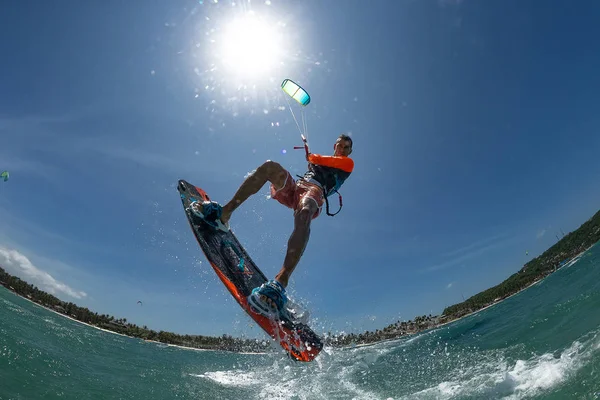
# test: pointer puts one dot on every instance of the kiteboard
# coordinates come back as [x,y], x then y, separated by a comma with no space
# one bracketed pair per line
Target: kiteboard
[240,275]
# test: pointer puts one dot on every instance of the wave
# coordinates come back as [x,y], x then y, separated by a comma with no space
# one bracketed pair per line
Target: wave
[499,378]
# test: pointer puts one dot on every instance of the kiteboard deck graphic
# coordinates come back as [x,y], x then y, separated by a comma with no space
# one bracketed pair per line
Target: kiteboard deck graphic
[240,275]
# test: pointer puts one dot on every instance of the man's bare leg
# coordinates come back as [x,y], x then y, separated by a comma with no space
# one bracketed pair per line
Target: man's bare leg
[298,240]
[268,171]
[296,245]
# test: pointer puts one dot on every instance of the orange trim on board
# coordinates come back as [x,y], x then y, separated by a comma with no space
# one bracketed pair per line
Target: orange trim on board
[287,338]
[228,284]
[202,193]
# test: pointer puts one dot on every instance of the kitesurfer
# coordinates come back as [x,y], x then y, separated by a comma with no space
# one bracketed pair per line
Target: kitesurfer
[305,196]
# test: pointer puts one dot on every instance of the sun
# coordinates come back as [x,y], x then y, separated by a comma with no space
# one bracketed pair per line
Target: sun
[249,46]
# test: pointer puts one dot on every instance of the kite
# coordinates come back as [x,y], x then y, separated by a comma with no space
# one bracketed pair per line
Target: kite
[295,91]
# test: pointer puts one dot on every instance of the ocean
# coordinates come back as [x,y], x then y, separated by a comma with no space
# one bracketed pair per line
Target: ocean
[543,343]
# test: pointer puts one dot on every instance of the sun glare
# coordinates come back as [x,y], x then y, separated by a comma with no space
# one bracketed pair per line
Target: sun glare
[249,46]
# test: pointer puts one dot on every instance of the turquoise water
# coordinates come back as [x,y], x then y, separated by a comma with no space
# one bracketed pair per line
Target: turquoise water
[542,343]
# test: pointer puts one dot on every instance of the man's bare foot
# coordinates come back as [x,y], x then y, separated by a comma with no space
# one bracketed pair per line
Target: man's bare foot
[225,217]
[197,207]
[268,302]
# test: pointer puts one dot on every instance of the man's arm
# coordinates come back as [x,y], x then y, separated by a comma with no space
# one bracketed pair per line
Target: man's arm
[346,164]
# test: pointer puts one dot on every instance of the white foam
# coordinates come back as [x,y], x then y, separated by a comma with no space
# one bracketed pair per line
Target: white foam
[283,380]
[231,378]
[338,373]
[497,378]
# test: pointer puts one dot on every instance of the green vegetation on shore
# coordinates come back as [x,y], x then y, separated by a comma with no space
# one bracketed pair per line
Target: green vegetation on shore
[552,259]
[121,325]
[565,250]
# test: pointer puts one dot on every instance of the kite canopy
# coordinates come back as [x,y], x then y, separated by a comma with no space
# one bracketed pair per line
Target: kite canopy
[295,91]
[4,175]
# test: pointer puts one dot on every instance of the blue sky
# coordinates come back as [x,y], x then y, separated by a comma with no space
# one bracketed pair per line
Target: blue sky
[475,127]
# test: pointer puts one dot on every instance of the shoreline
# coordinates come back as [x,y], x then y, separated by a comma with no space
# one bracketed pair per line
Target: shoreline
[568,264]
[69,317]
[156,342]
[107,330]
[363,344]
[227,343]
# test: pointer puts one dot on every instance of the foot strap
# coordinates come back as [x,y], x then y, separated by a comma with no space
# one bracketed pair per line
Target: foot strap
[211,214]
[272,290]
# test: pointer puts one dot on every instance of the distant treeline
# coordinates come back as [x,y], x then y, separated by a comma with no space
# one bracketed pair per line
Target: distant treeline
[393,331]
[121,325]
[552,259]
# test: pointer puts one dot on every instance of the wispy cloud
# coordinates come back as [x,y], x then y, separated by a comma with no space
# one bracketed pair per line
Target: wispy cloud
[19,265]
[17,231]
[23,125]
[445,3]
[18,166]
[475,245]
[540,233]
[471,251]
[144,158]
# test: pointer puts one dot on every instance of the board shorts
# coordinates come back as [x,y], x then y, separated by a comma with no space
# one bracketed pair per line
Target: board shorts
[293,193]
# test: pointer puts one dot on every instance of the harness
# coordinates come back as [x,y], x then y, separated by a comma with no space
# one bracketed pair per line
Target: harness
[327,204]
[316,183]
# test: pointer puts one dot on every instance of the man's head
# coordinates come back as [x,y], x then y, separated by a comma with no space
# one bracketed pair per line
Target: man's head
[342,146]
